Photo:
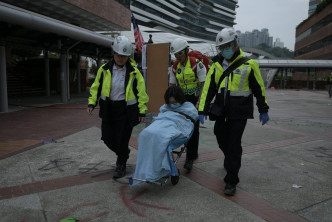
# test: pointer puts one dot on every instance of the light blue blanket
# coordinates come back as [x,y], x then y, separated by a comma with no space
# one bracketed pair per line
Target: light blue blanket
[153,160]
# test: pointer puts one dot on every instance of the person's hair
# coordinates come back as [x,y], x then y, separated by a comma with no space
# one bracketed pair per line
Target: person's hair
[176,92]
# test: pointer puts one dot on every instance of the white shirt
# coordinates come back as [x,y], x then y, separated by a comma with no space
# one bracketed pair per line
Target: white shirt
[225,64]
[118,83]
[201,73]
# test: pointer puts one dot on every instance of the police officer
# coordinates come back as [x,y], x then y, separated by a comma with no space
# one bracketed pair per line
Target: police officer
[234,100]
[189,73]
[120,89]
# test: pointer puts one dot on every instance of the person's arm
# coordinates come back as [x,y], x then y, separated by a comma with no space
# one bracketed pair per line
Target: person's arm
[200,95]
[208,91]
[172,78]
[257,87]
[201,75]
[94,89]
[142,97]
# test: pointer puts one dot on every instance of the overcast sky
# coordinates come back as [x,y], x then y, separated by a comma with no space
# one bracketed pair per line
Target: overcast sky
[279,16]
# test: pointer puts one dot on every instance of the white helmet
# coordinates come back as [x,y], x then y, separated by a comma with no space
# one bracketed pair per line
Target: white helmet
[178,44]
[122,46]
[225,36]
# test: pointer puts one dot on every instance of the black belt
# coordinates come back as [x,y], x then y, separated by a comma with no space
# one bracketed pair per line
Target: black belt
[117,101]
[114,101]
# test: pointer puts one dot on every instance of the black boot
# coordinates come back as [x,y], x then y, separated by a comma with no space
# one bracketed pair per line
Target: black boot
[230,189]
[188,164]
[120,170]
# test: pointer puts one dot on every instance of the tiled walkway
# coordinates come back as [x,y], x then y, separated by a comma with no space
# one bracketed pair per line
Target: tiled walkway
[26,129]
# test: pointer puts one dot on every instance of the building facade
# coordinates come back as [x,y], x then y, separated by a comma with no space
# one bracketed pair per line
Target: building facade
[313,5]
[254,38]
[198,19]
[48,38]
[314,36]
[278,43]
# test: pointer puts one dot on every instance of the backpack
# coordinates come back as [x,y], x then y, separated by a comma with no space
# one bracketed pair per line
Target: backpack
[201,57]
[194,56]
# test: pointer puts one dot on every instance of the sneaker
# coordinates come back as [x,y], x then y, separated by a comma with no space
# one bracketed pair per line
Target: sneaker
[230,189]
[188,164]
[120,171]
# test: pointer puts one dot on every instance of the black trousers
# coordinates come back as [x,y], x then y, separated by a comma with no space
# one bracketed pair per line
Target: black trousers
[192,145]
[117,131]
[229,135]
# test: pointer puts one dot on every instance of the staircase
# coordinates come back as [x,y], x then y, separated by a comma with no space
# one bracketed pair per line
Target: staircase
[17,85]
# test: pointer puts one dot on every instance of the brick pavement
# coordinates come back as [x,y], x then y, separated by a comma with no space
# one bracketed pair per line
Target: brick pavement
[24,130]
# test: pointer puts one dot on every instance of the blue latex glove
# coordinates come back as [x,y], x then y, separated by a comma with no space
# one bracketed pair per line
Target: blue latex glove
[264,117]
[201,118]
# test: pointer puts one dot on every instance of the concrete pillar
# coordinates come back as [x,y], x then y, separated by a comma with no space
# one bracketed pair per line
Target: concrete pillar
[285,82]
[67,75]
[47,73]
[314,80]
[98,62]
[78,70]
[63,78]
[98,58]
[281,77]
[3,79]
[308,77]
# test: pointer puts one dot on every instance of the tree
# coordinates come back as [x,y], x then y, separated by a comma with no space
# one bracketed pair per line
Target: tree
[277,51]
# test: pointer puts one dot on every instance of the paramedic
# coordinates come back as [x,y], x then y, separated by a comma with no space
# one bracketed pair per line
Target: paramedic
[120,89]
[190,75]
[236,95]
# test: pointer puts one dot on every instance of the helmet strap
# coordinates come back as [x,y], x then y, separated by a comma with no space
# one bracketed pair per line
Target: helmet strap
[186,59]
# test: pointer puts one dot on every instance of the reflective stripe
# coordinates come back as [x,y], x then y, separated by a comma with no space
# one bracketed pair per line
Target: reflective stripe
[243,77]
[103,97]
[241,93]
[131,102]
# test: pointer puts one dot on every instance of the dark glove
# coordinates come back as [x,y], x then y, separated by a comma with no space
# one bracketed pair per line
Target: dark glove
[264,117]
[201,118]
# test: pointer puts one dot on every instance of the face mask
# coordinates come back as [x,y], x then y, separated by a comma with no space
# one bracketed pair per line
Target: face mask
[227,53]
[174,106]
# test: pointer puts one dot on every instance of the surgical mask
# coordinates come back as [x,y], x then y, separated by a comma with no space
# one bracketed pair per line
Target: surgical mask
[227,53]
[175,105]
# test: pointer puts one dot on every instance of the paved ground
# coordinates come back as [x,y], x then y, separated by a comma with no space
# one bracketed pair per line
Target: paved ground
[53,165]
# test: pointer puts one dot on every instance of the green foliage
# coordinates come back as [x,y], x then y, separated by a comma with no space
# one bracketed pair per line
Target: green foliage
[277,51]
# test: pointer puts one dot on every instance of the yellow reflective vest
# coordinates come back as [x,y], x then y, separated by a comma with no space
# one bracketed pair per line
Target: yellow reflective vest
[136,97]
[187,78]
[236,91]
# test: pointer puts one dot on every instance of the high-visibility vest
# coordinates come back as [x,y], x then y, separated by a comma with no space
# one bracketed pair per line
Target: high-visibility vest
[236,92]
[187,78]
[101,87]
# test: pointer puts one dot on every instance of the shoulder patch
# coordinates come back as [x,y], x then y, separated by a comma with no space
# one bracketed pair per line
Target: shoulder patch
[200,65]
[237,71]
